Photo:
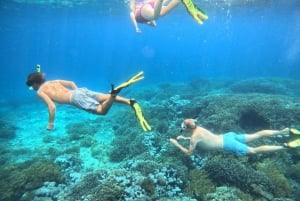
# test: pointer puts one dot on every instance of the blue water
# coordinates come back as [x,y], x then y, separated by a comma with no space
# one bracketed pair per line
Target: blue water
[95,44]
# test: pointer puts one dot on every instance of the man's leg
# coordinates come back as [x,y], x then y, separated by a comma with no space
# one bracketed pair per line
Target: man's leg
[157,8]
[107,101]
[169,7]
[265,133]
[264,148]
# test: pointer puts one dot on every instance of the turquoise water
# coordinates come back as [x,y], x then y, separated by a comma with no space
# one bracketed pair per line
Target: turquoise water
[236,72]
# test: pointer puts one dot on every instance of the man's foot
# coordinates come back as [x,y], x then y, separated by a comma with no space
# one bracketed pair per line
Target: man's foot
[132,102]
[114,92]
[285,131]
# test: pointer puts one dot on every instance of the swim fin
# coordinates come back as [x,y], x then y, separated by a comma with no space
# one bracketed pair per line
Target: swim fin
[129,82]
[194,11]
[294,131]
[294,143]
[139,114]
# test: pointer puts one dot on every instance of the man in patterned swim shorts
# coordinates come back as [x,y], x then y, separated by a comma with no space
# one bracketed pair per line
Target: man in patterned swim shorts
[229,142]
[66,92]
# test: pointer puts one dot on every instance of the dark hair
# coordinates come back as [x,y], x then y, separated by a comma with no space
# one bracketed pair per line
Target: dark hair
[35,78]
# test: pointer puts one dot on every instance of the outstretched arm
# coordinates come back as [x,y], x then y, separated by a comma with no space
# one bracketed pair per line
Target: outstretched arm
[183,149]
[182,137]
[51,109]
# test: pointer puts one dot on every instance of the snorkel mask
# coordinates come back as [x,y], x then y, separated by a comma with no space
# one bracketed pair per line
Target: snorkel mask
[182,127]
[38,70]
[188,124]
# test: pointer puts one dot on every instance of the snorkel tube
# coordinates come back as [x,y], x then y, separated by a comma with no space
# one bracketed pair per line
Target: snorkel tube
[38,70]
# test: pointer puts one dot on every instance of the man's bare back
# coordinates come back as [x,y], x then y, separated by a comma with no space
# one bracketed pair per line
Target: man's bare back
[66,92]
[57,90]
[206,139]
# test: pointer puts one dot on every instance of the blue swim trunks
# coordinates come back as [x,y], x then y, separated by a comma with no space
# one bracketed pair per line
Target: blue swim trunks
[85,99]
[235,143]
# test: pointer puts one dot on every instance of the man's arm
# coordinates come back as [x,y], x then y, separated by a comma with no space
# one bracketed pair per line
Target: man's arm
[51,109]
[183,149]
[68,84]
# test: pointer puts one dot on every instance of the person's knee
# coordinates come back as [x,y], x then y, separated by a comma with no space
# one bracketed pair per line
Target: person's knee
[100,111]
[251,150]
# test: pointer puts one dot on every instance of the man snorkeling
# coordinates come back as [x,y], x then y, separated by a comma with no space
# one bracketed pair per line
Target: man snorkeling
[147,11]
[230,142]
[67,92]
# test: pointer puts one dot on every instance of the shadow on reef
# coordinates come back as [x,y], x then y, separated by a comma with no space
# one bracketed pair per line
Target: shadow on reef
[7,130]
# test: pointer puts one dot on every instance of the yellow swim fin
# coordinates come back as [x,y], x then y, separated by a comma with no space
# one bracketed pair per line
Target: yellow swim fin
[129,82]
[139,114]
[294,131]
[294,143]
[194,11]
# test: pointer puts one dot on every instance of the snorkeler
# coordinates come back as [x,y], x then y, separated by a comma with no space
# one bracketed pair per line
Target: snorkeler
[66,92]
[147,11]
[230,142]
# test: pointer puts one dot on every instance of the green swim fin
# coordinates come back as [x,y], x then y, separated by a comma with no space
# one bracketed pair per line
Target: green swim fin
[194,11]
[294,143]
[139,114]
[294,131]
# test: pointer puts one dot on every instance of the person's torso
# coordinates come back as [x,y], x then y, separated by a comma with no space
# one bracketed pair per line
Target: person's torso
[56,91]
[206,139]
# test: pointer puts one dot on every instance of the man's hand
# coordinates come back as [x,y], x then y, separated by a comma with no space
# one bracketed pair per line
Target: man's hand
[173,141]
[50,126]
[180,137]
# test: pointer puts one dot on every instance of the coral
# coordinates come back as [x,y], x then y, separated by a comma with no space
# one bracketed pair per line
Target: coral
[232,172]
[162,127]
[77,131]
[199,184]
[19,178]
[244,112]
[87,141]
[126,145]
[7,130]
[294,171]
[149,186]
[145,167]
[282,186]
[224,193]
[107,192]
[258,86]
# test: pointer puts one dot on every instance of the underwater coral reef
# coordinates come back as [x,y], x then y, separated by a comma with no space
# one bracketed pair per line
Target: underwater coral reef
[93,158]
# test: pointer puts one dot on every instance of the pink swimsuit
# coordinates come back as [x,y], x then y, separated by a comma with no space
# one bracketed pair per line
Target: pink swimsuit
[138,14]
